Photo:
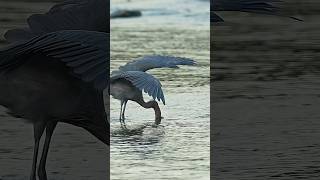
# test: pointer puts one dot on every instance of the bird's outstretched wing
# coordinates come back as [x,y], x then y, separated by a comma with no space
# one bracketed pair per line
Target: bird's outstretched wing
[254,6]
[144,81]
[251,6]
[155,61]
[214,17]
[91,15]
[85,52]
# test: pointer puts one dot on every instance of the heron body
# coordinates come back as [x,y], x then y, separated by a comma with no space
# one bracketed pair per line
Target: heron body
[42,90]
[57,77]
[124,90]
[55,70]
[131,80]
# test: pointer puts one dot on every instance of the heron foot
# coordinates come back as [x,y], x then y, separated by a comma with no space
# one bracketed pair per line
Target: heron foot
[42,174]
[123,123]
[33,177]
[123,126]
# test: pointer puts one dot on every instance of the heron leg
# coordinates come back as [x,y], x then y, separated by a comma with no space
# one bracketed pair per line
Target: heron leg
[42,165]
[38,128]
[123,110]
[120,116]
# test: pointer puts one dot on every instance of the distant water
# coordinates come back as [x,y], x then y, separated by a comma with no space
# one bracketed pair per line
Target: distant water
[179,148]
[168,12]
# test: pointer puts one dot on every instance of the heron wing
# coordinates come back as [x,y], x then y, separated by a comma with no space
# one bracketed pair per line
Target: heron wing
[85,52]
[91,15]
[143,81]
[255,6]
[214,17]
[155,61]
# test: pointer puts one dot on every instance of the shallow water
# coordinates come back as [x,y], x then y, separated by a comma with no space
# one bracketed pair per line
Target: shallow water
[179,147]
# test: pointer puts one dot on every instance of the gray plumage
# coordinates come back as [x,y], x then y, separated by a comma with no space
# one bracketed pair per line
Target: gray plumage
[155,61]
[131,80]
[144,82]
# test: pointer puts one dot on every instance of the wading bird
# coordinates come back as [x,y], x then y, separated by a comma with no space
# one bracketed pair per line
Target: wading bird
[131,80]
[57,77]
[56,69]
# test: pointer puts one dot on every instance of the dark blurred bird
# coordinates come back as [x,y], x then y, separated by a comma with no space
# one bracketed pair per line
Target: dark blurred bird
[57,77]
[56,69]
[250,6]
[90,15]
[131,80]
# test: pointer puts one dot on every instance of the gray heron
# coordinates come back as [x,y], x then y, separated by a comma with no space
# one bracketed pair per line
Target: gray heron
[131,80]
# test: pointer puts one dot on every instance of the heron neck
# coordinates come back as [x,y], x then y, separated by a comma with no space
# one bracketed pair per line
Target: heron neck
[157,112]
[153,104]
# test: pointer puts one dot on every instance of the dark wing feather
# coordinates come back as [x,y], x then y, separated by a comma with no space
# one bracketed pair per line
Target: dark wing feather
[143,81]
[155,61]
[91,15]
[214,17]
[255,6]
[251,6]
[70,47]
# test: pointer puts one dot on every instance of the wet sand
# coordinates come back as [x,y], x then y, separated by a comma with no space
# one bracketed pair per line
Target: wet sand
[265,96]
[74,153]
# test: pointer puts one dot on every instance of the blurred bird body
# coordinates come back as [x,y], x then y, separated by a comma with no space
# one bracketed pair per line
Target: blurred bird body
[57,77]
[55,70]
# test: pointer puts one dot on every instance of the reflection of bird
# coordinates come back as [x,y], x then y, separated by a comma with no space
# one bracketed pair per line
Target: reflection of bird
[52,74]
[131,79]
[252,6]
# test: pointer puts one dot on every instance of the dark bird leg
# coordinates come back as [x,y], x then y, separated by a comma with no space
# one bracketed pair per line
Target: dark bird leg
[42,166]
[123,125]
[38,128]
[155,106]
[120,116]
[123,110]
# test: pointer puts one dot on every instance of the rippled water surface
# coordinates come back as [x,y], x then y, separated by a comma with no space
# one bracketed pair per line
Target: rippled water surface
[179,147]
[266,95]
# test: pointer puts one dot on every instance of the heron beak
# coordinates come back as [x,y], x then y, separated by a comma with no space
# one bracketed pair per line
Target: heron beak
[158,121]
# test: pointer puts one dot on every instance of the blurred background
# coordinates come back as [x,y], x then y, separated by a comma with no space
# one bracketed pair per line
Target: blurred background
[74,153]
[265,94]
